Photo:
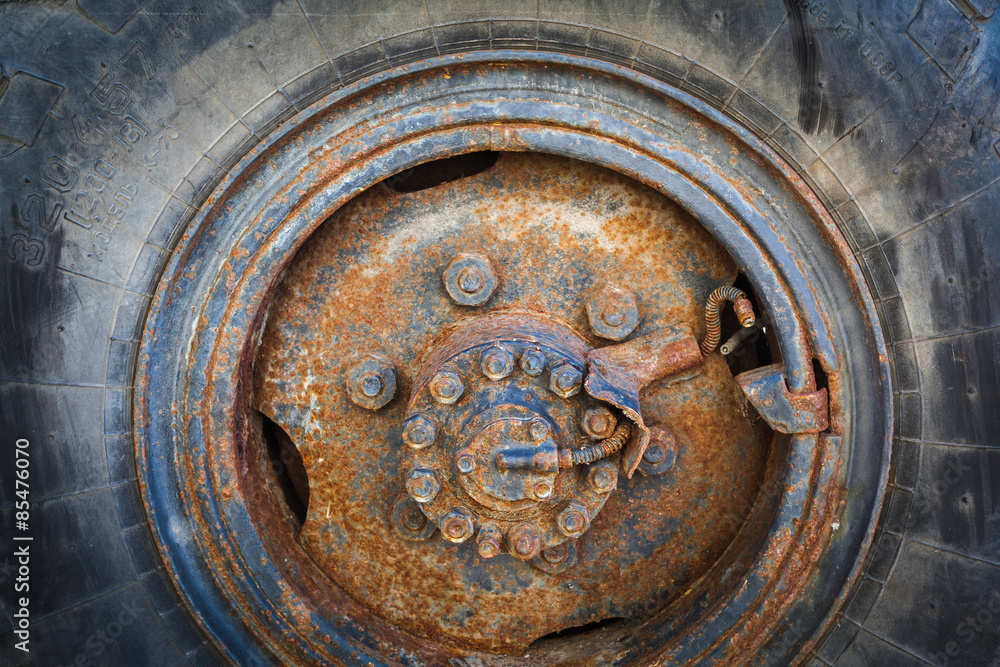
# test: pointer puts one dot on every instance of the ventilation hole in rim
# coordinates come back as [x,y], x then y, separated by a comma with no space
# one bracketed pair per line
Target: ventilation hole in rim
[437,172]
[287,467]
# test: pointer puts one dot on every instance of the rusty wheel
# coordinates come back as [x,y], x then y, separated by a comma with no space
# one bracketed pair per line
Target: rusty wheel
[450,372]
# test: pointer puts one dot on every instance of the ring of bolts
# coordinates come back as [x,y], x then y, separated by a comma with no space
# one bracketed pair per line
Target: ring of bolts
[491,462]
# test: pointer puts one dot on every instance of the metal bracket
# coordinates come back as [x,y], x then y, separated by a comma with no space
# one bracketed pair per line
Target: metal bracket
[784,411]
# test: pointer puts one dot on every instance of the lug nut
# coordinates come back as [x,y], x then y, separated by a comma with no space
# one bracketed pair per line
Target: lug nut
[371,382]
[447,386]
[533,362]
[465,462]
[419,431]
[599,423]
[603,476]
[422,485]
[556,554]
[525,542]
[542,489]
[470,280]
[413,519]
[497,362]
[456,525]
[613,312]
[574,520]
[539,430]
[565,380]
[410,522]
[488,542]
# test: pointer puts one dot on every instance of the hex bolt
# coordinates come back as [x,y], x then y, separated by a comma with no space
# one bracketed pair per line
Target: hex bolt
[419,431]
[371,382]
[413,519]
[465,462]
[574,520]
[456,525]
[470,279]
[447,386]
[525,542]
[533,362]
[542,489]
[556,554]
[497,362]
[603,476]
[422,485]
[410,522]
[613,312]
[488,542]
[654,453]
[539,430]
[599,423]
[565,380]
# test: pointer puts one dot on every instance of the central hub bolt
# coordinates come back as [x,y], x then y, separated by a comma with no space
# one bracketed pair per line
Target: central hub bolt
[456,525]
[447,387]
[574,520]
[422,485]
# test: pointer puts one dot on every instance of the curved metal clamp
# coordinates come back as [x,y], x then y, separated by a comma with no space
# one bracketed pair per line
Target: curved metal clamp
[784,411]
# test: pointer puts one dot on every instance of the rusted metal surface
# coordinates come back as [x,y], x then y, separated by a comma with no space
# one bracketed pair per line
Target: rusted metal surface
[370,281]
[785,412]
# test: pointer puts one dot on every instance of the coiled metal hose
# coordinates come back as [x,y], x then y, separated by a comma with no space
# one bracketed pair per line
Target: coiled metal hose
[713,308]
[604,448]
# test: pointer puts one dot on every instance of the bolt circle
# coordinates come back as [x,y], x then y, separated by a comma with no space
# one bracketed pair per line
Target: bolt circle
[456,525]
[533,362]
[525,542]
[574,520]
[465,462]
[419,431]
[422,485]
[497,362]
[446,387]
[603,476]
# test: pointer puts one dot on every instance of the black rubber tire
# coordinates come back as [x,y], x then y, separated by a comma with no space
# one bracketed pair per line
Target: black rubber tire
[888,111]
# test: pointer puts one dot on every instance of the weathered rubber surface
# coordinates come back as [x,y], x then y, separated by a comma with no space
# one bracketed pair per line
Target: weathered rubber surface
[889,110]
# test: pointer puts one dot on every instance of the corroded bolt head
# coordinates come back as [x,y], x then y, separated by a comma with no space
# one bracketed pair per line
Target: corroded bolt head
[525,542]
[456,525]
[539,430]
[371,382]
[488,542]
[465,462]
[497,362]
[470,279]
[613,312]
[422,485]
[413,519]
[599,423]
[419,431]
[654,453]
[533,362]
[565,380]
[603,476]
[574,520]
[542,489]
[447,386]
[556,554]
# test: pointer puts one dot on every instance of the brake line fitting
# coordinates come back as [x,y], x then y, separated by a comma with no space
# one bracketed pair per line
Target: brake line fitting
[713,312]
